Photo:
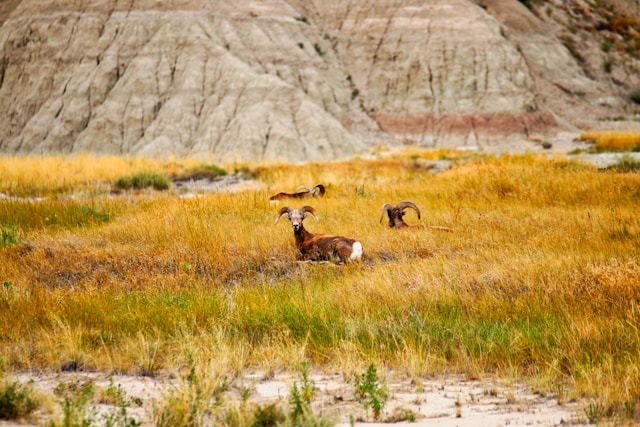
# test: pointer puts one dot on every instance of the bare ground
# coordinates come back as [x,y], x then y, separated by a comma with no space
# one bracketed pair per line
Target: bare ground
[451,400]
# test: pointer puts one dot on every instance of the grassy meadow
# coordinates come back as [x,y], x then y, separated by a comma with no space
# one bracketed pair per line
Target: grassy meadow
[540,279]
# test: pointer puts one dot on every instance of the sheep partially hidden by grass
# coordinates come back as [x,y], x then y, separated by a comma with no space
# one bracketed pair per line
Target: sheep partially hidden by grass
[301,192]
[397,212]
[319,247]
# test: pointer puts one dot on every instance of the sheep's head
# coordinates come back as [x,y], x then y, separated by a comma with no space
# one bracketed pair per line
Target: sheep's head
[395,213]
[317,191]
[296,216]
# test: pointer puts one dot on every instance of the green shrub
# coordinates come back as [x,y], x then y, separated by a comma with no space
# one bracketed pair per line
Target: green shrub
[205,172]
[300,399]
[17,400]
[625,164]
[369,392]
[120,416]
[606,44]
[608,64]
[269,416]
[143,180]
[8,235]
[635,95]
[75,399]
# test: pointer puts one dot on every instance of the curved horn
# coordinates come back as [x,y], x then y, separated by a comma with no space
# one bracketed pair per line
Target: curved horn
[385,208]
[310,210]
[407,204]
[303,187]
[283,210]
[318,190]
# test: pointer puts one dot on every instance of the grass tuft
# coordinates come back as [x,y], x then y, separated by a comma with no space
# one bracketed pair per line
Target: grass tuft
[625,164]
[142,180]
[17,400]
[605,141]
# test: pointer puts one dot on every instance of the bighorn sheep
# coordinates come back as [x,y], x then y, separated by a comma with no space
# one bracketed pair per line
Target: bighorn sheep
[318,247]
[395,214]
[301,192]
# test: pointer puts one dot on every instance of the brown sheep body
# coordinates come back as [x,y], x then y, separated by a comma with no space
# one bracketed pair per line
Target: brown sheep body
[300,193]
[319,247]
[397,212]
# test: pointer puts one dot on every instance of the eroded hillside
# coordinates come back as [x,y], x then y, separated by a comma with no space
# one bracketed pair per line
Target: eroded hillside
[298,81]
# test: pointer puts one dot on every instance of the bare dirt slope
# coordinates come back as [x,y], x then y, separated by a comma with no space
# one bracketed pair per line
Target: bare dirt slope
[297,81]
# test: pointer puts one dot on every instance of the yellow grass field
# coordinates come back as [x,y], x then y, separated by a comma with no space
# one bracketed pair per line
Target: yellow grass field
[613,140]
[540,278]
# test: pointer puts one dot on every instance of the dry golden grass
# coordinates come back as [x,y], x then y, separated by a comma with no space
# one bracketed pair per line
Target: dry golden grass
[539,279]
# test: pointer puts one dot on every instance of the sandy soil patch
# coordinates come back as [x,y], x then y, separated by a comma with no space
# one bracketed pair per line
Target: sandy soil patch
[448,401]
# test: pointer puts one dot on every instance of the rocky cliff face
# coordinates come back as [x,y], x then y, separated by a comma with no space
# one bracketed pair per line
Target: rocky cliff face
[288,80]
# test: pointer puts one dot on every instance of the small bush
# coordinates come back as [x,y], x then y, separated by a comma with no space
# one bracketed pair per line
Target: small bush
[75,399]
[115,395]
[635,95]
[369,392]
[269,416]
[606,44]
[17,400]
[143,180]
[205,172]
[8,235]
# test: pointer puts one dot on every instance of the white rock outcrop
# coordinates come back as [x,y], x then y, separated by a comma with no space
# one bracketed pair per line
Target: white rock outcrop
[273,80]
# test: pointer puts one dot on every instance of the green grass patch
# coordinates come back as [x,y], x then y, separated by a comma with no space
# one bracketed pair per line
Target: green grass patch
[17,217]
[625,164]
[9,235]
[209,172]
[143,180]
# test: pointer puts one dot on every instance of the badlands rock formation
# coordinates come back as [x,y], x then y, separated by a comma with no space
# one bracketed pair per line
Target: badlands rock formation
[291,80]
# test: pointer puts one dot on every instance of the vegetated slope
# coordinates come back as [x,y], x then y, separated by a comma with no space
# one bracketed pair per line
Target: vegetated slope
[287,80]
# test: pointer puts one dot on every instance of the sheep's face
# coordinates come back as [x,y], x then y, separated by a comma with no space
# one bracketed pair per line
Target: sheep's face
[395,215]
[296,217]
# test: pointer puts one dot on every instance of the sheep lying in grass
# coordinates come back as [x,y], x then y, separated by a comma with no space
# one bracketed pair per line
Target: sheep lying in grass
[397,212]
[319,247]
[301,192]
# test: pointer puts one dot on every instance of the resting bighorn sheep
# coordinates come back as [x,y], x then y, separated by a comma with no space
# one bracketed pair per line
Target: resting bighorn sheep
[317,247]
[301,192]
[395,214]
